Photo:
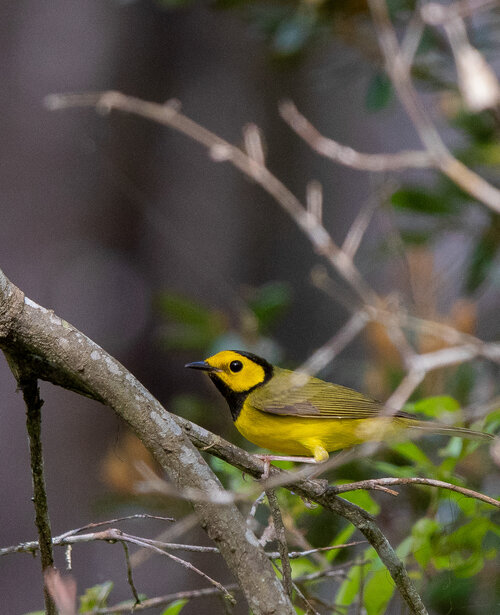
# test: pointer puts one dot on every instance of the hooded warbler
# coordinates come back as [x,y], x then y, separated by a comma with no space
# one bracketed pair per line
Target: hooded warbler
[295,414]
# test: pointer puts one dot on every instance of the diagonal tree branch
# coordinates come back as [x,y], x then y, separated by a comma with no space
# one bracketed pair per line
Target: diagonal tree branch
[34,336]
[65,355]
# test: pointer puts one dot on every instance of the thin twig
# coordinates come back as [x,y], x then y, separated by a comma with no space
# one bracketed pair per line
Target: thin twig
[130,577]
[126,607]
[400,76]
[298,554]
[93,525]
[436,14]
[279,530]
[346,155]
[113,535]
[376,483]
[255,505]
[326,353]
[31,393]
[220,150]
[406,387]
[358,228]
[310,610]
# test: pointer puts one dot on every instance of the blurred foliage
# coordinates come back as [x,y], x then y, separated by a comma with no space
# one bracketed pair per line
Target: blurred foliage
[444,531]
[205,330]
[446,540]
[95,597]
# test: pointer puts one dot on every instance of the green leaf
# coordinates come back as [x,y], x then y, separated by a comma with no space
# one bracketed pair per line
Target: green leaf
[379,93]
[414,453]
[190,325]
[341,538]
[360,498]
[415,238]
[269,302]
[433,406]
[393,470]
[175,607]
[479,126]
[182,309]
[95,597]
[349,588]
[422,534]
[377,592]
[421,201]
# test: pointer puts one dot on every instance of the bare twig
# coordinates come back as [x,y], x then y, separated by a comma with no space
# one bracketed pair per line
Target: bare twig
[358,228]
[325,355]
[439,154]
[346,155]
[130,577]
[376,483]
[126,607]
[298,554]
[220,150]
[436,14]
[310,610]
[95,524]
[255,505]
[279,531]
[29,386]
[406,387]
[114,535]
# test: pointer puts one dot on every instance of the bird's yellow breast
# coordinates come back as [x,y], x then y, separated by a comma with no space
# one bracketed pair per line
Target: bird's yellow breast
[292,435]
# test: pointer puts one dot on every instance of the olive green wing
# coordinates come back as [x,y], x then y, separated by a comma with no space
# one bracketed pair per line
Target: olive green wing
[293,394]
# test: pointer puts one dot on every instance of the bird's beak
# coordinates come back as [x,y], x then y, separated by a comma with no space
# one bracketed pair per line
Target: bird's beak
[203,365]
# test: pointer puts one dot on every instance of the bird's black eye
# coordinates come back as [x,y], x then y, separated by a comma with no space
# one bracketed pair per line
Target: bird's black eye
[236,366]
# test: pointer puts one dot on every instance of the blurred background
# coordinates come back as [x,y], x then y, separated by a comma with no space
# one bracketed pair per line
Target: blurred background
[133,234]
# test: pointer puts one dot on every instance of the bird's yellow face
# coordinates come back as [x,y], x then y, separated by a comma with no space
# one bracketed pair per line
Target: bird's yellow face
[238,371]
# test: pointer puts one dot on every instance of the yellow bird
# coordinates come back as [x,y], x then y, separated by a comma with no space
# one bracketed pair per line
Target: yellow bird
[295,414]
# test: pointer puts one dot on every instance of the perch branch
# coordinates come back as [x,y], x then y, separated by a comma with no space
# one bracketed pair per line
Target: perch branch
[27,328]
[33,335]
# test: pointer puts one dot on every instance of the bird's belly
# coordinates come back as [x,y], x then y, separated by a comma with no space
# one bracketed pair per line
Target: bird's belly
[292,435]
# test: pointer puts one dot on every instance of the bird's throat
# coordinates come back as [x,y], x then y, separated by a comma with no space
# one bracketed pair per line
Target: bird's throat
[234,400]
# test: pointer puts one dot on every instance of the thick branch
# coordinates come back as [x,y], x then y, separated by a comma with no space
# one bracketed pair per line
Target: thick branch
[27,327]
[318,492]
[64,355]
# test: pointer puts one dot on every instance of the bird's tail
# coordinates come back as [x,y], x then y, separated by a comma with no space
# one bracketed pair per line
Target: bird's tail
[439,428]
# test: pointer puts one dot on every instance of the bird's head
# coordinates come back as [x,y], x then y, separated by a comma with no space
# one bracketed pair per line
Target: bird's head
[238,371]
